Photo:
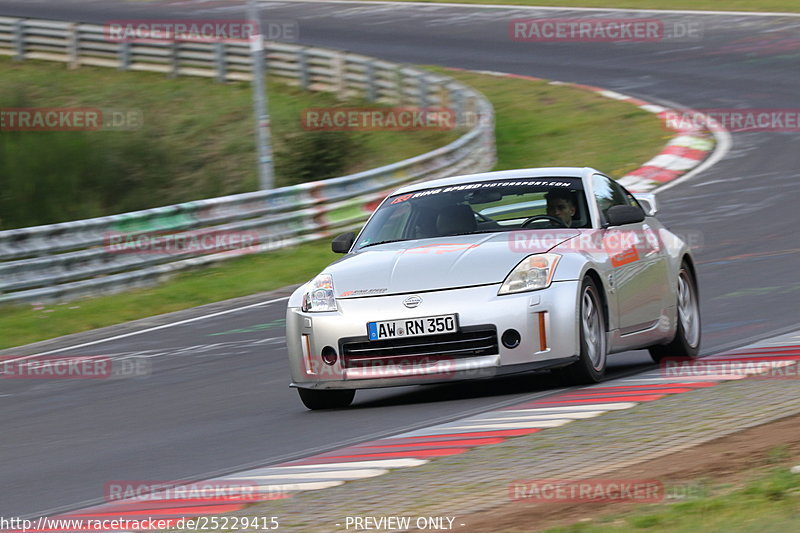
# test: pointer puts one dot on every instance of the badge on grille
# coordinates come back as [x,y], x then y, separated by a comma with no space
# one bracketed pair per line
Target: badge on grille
[412,301]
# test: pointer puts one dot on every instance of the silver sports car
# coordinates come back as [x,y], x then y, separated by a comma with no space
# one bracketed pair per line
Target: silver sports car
[474,276]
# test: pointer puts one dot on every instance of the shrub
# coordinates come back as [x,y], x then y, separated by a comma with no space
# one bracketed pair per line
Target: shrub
[314,155]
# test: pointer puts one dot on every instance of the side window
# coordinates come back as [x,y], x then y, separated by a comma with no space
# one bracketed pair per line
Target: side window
[631,199]
[607,193]
[394,223]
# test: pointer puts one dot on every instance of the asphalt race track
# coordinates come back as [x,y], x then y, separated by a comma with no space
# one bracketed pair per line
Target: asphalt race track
[216,397]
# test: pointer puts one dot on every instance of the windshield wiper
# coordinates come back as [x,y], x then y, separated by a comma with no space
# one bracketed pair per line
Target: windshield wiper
[494,230]
[381,242]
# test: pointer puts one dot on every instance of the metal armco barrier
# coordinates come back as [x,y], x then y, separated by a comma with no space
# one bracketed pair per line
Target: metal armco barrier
[72,259]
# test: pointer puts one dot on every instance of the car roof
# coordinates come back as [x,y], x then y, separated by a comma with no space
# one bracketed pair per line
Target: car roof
[549,172]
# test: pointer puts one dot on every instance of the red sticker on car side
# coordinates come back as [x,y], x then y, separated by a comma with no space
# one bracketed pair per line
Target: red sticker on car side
[630,255]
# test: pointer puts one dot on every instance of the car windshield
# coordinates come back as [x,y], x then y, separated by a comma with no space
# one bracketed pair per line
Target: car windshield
[479,207]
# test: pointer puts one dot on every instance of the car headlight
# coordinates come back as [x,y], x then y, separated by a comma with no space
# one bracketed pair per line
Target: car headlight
[532,273]
[319,296]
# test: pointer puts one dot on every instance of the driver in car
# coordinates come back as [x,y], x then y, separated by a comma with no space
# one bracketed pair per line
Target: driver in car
[561,204]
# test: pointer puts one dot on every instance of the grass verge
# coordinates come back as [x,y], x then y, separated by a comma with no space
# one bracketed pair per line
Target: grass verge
[543,125]
[195,141]
[784,6]
[537,124]
[771,502]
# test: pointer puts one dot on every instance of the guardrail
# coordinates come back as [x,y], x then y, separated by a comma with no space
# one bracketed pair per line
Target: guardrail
[68,260]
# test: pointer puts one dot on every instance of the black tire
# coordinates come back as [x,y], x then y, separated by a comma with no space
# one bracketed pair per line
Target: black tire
[326,399]
[686,343]
[591,364]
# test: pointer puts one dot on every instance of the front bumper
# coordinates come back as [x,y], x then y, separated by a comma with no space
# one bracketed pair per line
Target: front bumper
[546,321]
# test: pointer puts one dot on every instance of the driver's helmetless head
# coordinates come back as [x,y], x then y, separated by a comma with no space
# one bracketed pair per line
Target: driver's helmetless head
[561,205]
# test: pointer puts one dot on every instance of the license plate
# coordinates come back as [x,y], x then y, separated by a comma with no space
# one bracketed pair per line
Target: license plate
[412,327]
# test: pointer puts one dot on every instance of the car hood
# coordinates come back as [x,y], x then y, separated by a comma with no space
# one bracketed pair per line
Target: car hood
[444,262]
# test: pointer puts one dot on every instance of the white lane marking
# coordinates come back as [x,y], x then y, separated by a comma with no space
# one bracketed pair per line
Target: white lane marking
[288,471]
[653,108]
[148,330]
[295,487]
[678,380]
[551,8]
[616,406]
[341,475]
[571,416]
[614,95]
[385,463]
[492,73]
[511,425]
[479,422]
[751,364]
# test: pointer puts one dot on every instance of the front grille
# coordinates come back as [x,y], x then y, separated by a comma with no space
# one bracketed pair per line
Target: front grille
[471,341]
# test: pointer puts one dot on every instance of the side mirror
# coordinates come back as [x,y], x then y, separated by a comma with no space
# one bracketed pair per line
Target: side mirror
[342,243]
[619,215]
[648,202]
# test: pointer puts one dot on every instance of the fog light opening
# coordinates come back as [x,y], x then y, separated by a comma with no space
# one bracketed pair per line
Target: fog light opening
[329,355]
[511,338]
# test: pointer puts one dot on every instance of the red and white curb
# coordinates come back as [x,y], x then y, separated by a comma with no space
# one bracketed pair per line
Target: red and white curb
[684,152]
[414,448]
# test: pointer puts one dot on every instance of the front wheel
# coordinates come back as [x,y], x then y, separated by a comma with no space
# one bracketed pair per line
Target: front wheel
[686,343]
[326,399]
[591,364]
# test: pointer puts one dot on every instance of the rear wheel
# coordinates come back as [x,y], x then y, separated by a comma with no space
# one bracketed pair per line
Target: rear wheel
[686,343]
[326,399]
[591,364]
